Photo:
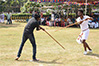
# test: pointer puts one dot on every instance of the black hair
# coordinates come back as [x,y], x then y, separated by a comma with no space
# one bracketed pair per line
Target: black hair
[81,11]
[36,16]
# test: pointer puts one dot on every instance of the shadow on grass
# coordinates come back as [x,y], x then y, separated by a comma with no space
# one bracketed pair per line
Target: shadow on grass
[93,54]
[46,62]
[50,62]
[8,25]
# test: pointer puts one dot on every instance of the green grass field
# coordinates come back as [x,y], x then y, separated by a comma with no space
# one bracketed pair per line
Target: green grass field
[48,51]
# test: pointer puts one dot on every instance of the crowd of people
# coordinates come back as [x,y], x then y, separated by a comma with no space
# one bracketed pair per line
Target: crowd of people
[57,19]
[94,23]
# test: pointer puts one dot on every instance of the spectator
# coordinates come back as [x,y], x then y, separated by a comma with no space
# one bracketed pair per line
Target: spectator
[41,14]
[94,19]
[97,23]
[69,20]
[73,19]
[57,15]
[9,18]
[94,23]
[52,16]
[64,13]
[63,23]
[98,19]
[65,19]
[33,13]
[48,18]
[2,18]
[56,22]
[59,21]
[44,21]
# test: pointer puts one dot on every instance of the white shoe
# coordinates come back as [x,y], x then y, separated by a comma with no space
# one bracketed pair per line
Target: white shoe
[90,51]
[85,53]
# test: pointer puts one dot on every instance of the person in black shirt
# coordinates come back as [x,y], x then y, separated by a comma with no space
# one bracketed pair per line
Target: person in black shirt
[28,34]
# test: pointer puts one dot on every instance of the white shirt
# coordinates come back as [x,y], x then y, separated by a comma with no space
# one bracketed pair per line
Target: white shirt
[33,12]
[42,19]
[52,17]
[8,16]
[83,25]
[59,19]
[56,19]
[68,20]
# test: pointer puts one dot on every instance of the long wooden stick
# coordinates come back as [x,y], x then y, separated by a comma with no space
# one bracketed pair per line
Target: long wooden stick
[66,27]
[54,39]
[69,25]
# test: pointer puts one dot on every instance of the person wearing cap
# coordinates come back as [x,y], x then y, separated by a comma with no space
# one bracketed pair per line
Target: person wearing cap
[28,34]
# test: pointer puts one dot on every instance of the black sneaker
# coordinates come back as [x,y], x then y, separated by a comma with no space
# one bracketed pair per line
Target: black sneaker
[35,60]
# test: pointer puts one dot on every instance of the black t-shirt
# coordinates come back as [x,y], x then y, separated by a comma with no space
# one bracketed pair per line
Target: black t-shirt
[31,25]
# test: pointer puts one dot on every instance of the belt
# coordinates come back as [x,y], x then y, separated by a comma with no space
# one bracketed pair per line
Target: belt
[85,29]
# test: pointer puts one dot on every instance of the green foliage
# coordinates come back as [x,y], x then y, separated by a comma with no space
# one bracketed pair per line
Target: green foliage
[46,14]
[73,14]
[30,6]
[10,5]
[1,6]
[21,14]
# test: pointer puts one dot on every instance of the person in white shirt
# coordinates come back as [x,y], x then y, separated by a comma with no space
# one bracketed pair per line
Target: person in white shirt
[9,18]
[2,18]
[83,21]
[69,20]
[52,16]
[33,13]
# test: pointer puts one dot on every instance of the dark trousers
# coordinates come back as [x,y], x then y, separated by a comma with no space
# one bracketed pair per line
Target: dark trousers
[32,40]
[9,20]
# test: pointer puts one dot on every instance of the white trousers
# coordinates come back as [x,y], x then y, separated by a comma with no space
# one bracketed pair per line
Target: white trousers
[83,36]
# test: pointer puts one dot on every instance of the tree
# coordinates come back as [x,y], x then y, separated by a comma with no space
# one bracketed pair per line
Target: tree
[9,5]
[30,6]
[2,3]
